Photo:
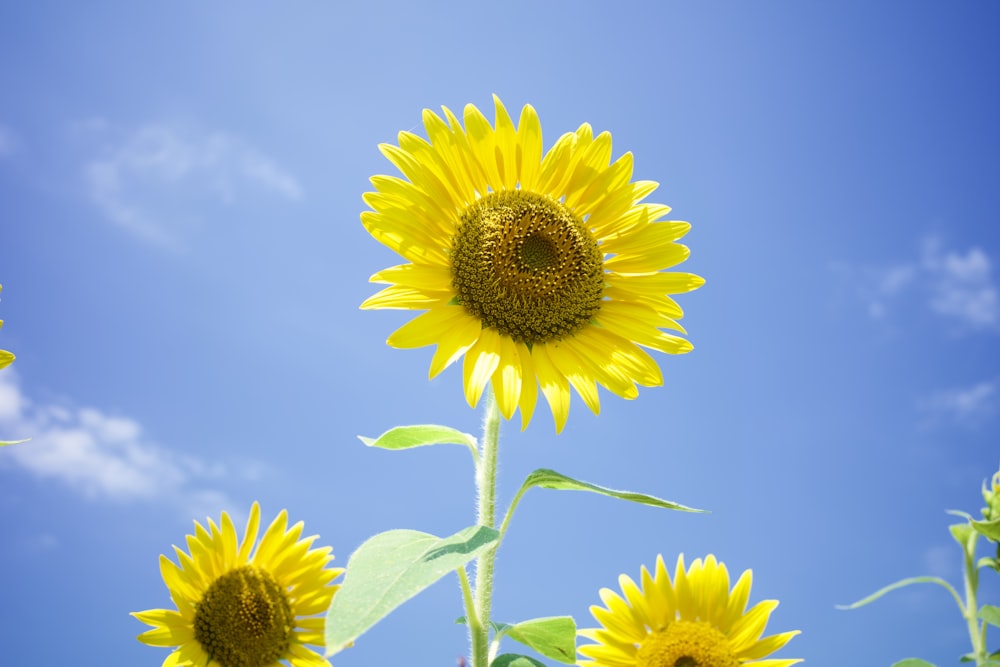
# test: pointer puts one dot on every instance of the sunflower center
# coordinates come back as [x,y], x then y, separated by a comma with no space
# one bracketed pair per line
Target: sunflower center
[686,644]
[526,266]
[244,619]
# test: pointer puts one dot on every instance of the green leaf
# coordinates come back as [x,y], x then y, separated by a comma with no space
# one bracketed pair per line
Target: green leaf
[990,614]
[515,660]
[988,529]
[900,584]
[550,479]
[389,569]
[913,662]
[987,561]
[4,443]
[961,532]
[554,636]
[406,437]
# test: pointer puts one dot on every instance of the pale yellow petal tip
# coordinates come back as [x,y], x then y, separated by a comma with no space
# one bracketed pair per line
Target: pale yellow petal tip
[462,161]
[213,557]
[693,597]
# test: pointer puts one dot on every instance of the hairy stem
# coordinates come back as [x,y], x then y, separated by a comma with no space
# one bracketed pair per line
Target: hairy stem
[486,484]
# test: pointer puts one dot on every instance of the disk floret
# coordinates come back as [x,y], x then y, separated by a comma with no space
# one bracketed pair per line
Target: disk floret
[526,266]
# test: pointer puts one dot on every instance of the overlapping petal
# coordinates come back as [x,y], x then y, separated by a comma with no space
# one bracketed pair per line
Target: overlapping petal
[298,569]
[463,161]
[699,595]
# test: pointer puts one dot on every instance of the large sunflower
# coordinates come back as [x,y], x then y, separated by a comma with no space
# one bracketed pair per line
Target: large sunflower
[694,621]
[543,270]
[235,609]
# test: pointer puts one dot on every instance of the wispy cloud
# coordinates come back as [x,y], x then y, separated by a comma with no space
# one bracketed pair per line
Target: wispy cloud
[160,176]
[102,456]
[961,286]
[958,287]
[969,406]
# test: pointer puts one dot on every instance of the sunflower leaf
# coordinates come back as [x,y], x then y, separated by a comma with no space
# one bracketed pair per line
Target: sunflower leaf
[900,584]
[988,529]
[962,532]
[515,660]
[389,569]
[407,437]
[550,479]
[990,614]
[554,636]
[913,662]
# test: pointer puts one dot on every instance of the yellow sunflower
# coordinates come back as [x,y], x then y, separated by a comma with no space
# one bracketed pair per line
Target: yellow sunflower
[237,609]
[694,621]
[541,269]
[5,357]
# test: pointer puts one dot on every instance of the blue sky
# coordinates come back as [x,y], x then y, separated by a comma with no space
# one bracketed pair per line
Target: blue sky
[182,263]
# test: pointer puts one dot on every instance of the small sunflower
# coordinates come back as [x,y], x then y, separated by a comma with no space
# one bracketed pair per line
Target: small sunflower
[541,269]
[694,621]
[235,609]
[5,357]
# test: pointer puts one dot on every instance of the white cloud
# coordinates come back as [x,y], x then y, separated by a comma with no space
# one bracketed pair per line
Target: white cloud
[967,406]
[962,287]
[958,287]
[162,176]
[101,455]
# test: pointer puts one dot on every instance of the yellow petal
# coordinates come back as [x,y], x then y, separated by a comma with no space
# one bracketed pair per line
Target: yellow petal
[529,386]
[453,343]
[405,298]
[507,377]
[433,277]
[554,385]
[483,143]
[428,328]
[529,143]
[506,146]
[481,361]
[573,369]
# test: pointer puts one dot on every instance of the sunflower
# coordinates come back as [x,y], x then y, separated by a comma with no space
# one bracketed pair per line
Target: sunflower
[694,621]
[542,270]
[5,357]
[235,609]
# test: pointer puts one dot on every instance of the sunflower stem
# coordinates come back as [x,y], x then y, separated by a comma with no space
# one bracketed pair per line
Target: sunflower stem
[971,608]
[486,485]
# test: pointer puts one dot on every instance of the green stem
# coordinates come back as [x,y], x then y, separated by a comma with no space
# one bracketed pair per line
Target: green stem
[976,635]
[471,620]
[486,485]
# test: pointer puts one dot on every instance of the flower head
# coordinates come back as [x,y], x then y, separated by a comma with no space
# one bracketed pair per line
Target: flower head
[693,621]
[543,270]
[5,357]
[241,609]
[992,497]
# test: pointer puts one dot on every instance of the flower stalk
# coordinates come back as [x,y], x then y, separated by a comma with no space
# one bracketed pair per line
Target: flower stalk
[486,484]
[971,607]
